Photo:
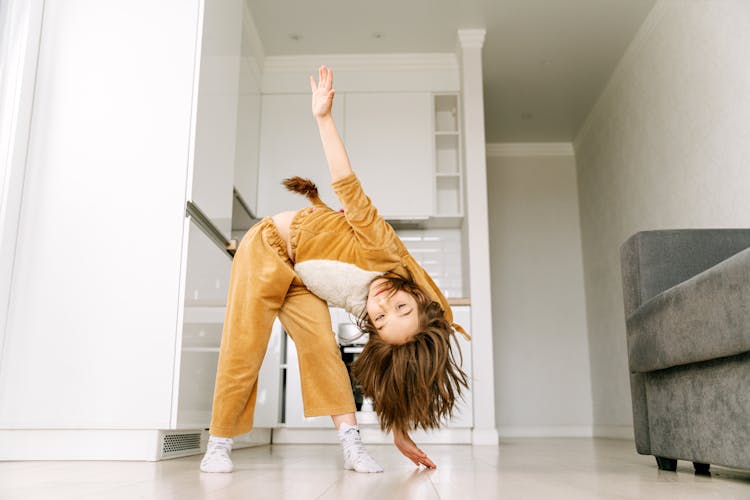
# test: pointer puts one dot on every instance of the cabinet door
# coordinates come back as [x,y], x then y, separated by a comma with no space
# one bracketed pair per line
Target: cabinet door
[199,359]
[293,409]
[389,141]
[208,270]
[248,136]
[268,398]
[216,115]
[290,145]
[207,273]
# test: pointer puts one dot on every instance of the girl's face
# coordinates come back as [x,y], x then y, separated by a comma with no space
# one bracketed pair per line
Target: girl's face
[395,316]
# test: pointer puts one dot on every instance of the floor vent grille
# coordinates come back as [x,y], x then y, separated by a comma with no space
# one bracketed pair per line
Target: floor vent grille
[181,444]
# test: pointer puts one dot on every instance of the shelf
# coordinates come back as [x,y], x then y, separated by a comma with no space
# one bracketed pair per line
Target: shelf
[448,195]
[446,154]
[446,113]
[448,181]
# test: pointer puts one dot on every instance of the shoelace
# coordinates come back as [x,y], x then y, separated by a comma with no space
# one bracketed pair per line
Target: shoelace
[354,451]
[215,449]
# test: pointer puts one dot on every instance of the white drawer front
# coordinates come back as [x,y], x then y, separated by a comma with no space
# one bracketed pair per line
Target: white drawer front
[208,271]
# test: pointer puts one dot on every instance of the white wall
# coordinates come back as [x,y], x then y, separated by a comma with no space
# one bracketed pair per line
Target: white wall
[542,381]
[666,146]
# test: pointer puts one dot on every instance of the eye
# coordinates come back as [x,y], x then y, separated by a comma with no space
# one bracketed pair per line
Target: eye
[379,317]
[400,306]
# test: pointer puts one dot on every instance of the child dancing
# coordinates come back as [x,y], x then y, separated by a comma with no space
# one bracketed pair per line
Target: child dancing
[294,265]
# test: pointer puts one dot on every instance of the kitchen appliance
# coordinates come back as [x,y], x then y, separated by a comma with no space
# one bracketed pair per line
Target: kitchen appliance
[351,341]
[350,334]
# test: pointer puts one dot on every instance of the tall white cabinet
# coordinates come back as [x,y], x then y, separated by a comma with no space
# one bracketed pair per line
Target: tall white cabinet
[390,146]
[117,296]
[388,139]
[290,145]
[248,115]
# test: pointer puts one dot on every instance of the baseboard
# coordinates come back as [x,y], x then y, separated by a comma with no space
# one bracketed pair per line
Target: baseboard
[371,434]
[614,431]
[148,445]
[256,437]
[544,431]
[485,437]
[598,431]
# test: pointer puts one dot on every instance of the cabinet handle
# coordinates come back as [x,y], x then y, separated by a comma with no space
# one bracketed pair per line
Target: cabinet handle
[210,230]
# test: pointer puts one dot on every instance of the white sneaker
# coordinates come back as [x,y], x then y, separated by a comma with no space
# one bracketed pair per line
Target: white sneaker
[355,456]
[217,457]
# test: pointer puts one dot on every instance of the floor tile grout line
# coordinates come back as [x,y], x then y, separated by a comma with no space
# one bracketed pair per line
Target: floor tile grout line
[334,483]
[434,488]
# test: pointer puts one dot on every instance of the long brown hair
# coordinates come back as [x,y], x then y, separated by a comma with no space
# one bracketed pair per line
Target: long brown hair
[416,384]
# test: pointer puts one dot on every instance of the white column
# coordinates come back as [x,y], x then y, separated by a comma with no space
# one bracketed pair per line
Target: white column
[470,59]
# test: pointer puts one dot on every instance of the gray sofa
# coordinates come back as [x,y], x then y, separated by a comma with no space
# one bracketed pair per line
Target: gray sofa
[687,310]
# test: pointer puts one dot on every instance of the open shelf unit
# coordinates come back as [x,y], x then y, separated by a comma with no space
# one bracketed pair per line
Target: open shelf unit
[448,154]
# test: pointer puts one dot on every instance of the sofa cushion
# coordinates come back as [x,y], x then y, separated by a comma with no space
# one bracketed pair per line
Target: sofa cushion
[702,318]
[653,261]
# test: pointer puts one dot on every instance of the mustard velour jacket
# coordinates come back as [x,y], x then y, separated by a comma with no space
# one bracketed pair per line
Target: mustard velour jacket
[338,254]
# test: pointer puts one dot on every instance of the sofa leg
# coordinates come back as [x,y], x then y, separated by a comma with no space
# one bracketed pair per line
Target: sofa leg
[669,464]
[701,468]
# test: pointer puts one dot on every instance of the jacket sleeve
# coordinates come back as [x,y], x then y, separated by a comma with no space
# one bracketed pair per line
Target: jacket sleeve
[372,230]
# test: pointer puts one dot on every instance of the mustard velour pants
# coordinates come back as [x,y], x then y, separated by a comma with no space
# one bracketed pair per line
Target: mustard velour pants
[262,286]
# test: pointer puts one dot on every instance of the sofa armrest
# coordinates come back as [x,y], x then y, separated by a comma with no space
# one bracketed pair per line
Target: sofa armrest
[653,261]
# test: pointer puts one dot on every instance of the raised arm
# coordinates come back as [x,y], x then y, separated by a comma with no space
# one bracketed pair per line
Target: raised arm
[371,230]
[333,146]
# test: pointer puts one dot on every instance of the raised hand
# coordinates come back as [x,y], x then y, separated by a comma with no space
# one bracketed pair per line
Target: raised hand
[406,446]
[322,92]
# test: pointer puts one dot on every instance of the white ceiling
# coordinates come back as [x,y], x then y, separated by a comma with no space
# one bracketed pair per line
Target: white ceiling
[545,61]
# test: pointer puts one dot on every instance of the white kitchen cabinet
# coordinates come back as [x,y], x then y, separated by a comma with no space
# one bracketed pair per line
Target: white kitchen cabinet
[463,416]
[388,137]
[448,156]
[91,333]
[216,118]
[248,122]
[113,328]
[389,141]
[208,270]
[289,146]
[293,409]
[268,400]
[201,333]
[201,341]
[294,415]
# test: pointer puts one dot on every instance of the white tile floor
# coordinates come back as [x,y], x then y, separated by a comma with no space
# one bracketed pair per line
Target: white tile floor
[517,469]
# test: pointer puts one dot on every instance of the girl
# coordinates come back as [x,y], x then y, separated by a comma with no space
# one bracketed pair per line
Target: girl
[294,265]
